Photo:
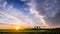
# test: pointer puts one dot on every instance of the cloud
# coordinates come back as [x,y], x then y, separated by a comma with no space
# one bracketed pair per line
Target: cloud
[42,13]
[23,0]
[44,8]
[11,15]
[4,4]
[55,20]
[34,11]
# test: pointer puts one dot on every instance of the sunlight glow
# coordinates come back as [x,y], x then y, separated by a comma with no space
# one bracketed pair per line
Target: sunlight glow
[17,27]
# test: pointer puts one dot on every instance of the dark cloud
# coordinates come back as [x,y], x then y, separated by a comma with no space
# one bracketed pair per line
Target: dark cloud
[49,8]
[55,21]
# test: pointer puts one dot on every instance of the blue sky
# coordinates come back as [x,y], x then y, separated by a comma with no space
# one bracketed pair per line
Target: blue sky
[30,13]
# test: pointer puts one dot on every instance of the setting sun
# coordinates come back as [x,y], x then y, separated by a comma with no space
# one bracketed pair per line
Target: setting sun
[17,27]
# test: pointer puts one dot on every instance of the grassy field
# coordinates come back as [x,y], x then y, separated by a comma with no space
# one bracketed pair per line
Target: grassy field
[30,32]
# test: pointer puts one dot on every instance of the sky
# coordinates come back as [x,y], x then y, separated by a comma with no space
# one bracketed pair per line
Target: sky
[43,13]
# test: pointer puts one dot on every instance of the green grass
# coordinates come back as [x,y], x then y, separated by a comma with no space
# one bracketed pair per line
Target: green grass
[29,30]
[22,30]
[32,31]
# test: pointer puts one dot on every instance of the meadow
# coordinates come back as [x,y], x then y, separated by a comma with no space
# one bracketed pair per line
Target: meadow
[29,31]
